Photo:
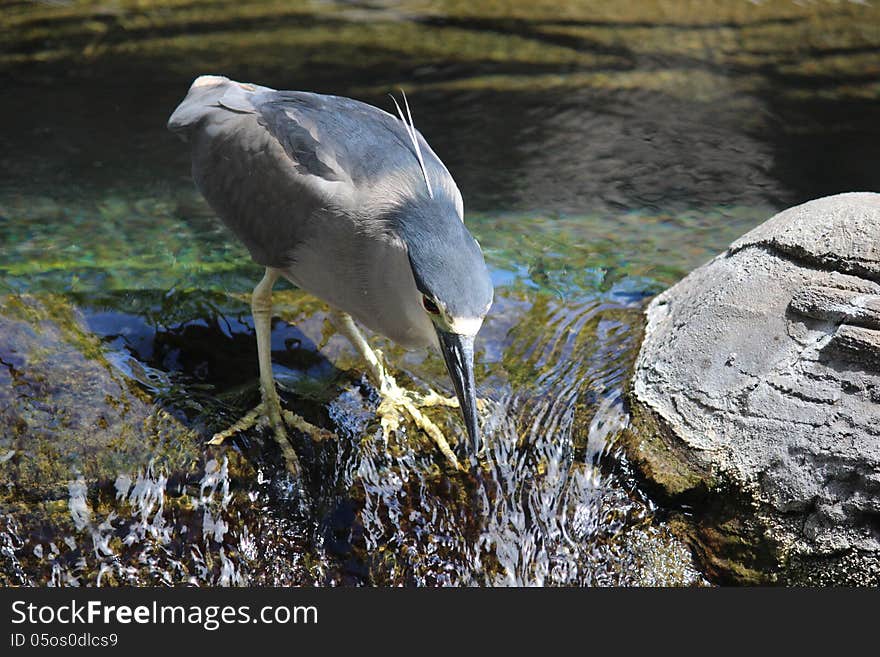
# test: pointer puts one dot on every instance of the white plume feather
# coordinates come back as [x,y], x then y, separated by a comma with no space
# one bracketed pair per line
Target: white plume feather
[411,131]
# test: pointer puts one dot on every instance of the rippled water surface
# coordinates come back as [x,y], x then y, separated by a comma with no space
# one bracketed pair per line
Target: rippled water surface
[602,152]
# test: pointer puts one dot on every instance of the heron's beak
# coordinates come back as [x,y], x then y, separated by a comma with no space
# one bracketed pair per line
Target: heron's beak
[458,352]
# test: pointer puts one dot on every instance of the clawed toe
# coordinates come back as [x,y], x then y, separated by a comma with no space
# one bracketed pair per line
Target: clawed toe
[397,401]
[431,398]
[278,419]
[315,432]
[252,418]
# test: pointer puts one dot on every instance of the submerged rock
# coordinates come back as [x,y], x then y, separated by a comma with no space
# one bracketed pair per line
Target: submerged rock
[65,413]
[105,477]
[99,485]
[756,398]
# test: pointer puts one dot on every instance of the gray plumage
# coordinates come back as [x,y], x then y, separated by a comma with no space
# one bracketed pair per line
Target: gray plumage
[331,191]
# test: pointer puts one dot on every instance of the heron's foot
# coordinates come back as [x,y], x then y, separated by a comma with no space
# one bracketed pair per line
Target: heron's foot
[388,388]
[398,403]
[279,419]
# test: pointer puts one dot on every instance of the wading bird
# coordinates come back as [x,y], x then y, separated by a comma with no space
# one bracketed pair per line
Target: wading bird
[350,204]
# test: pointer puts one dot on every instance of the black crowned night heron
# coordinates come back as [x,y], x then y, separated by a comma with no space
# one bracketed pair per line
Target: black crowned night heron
[350,204]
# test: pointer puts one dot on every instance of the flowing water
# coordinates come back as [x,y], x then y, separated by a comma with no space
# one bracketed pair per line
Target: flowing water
[602,152]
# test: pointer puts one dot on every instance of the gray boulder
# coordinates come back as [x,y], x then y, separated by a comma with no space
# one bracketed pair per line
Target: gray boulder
[756,398]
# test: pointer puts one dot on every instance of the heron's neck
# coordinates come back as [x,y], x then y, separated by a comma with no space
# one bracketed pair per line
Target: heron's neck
[427,221]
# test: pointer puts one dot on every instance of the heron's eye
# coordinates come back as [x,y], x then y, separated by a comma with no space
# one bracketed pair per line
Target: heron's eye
[430,306]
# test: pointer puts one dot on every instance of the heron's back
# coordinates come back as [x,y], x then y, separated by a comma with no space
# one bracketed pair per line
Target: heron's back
[272,163]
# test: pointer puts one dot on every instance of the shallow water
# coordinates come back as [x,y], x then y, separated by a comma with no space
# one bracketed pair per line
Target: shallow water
[602,153]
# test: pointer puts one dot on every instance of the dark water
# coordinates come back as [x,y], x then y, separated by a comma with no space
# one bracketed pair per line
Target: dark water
[602,154]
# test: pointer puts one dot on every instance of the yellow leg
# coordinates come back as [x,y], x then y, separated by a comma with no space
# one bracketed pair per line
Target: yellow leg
[395,398]
[269,412]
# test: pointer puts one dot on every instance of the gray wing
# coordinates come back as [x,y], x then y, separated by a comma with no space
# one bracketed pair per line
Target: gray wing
[336,138]
[272,163]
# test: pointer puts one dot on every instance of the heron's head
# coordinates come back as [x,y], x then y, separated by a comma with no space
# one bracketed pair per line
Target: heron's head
[456,293]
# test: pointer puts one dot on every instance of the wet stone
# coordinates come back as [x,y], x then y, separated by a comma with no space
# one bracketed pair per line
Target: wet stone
[106,478]
[98,485]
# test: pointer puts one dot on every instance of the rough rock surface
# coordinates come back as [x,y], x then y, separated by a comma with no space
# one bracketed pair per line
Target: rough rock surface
[756,398]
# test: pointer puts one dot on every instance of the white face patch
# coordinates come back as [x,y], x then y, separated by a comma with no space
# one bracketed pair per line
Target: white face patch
[465,325]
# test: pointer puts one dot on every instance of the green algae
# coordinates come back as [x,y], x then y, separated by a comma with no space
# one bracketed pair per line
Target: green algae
[173,242]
